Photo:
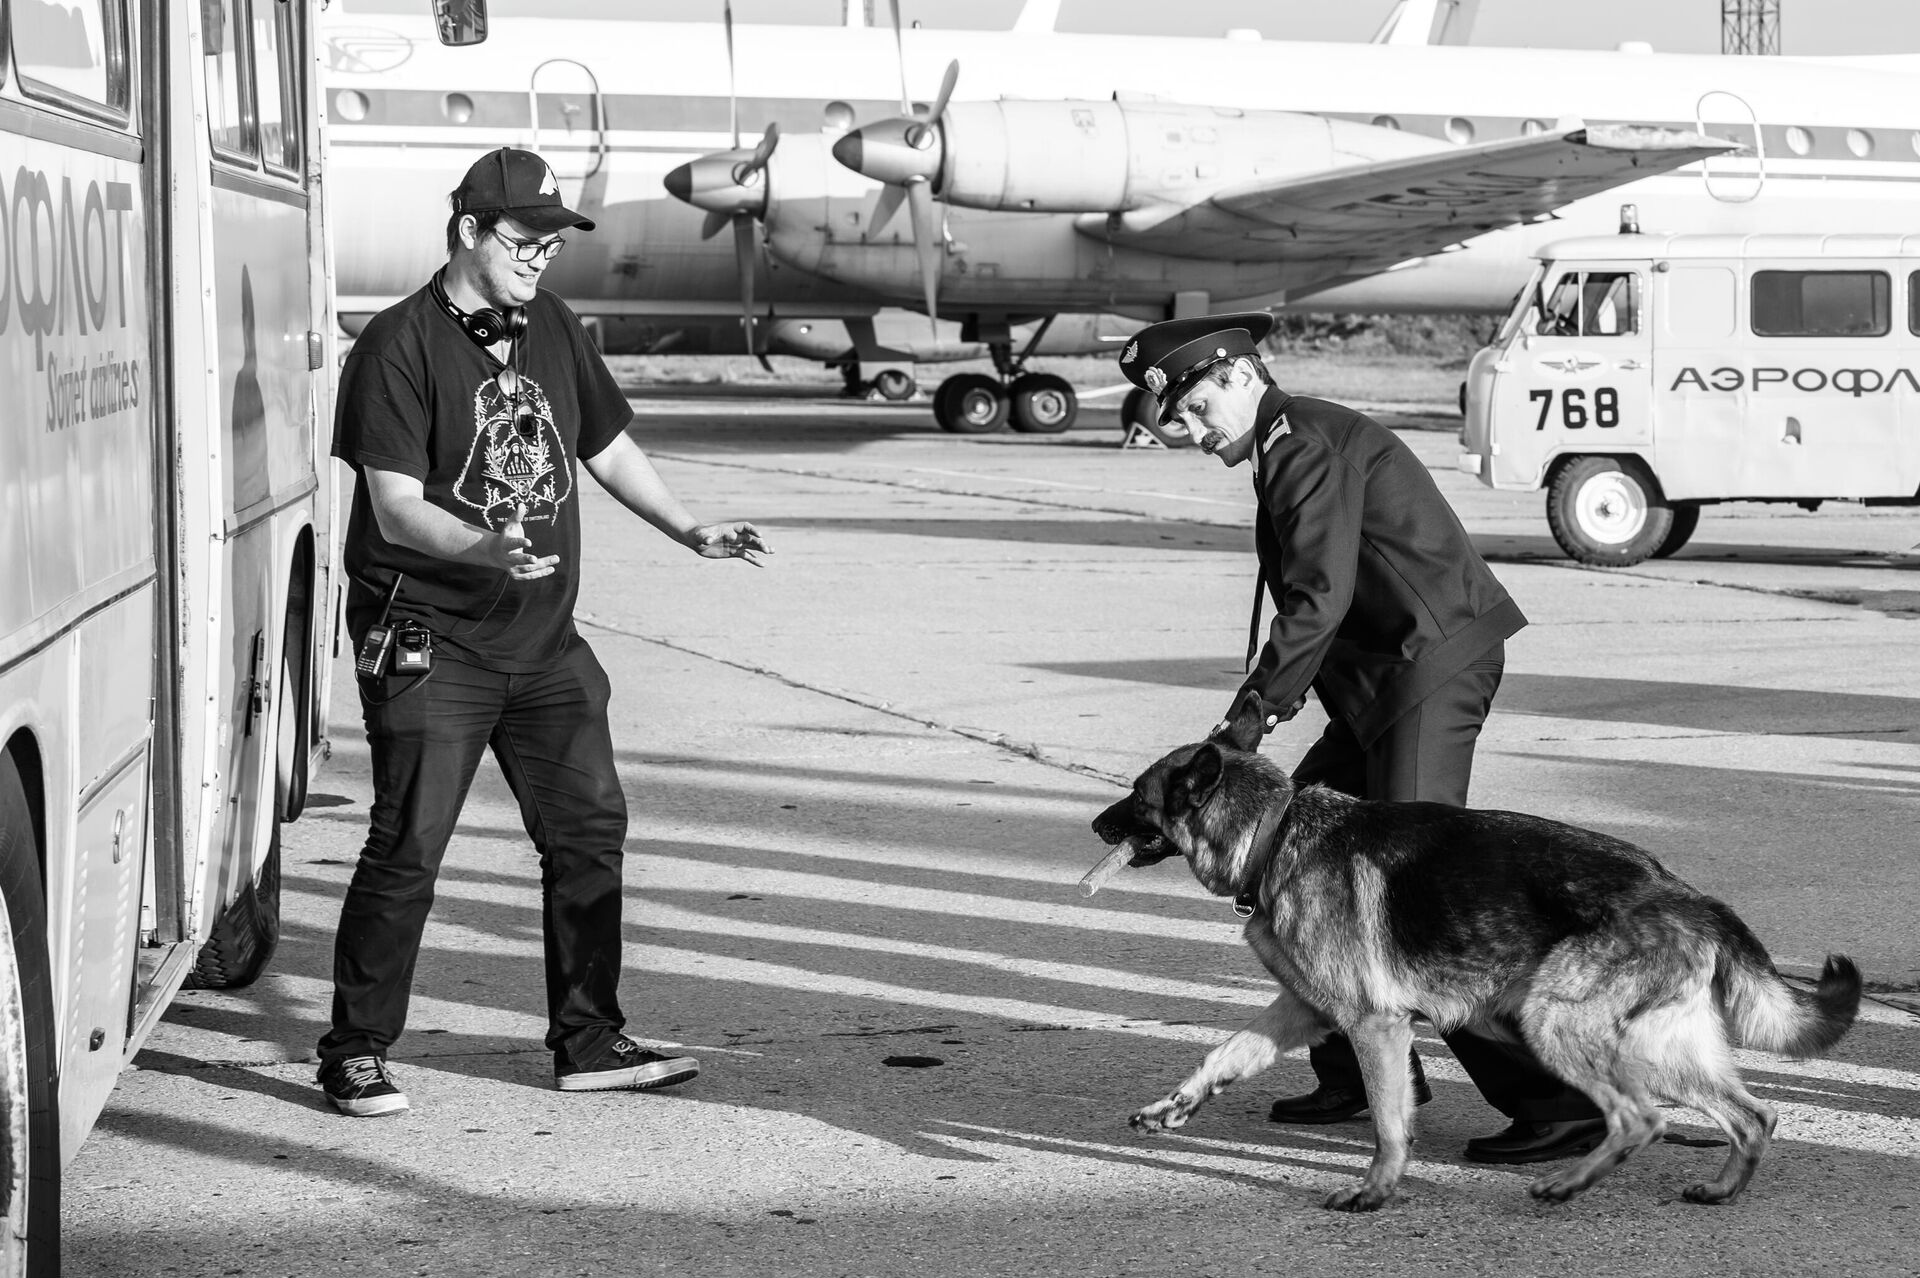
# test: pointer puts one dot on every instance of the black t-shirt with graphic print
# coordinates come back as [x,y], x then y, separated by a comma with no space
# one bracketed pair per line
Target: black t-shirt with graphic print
[418,397]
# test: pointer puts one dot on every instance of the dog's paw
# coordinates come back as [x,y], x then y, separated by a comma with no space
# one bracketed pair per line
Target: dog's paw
[1362,1197]
[1163,1115]
[1554,1189]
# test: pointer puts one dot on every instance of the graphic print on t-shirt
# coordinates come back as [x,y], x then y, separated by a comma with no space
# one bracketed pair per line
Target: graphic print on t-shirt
[514,463]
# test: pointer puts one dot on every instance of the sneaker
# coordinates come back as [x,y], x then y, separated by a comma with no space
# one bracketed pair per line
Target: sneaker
[360,1086]
[624,1065]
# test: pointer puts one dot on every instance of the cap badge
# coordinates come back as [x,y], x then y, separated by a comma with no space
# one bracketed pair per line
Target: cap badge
[548,185]
[1133,349]
[1155,379]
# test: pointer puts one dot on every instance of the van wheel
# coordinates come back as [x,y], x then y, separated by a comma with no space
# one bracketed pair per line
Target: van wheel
[29,1090]
[1685,520]
[1608,511]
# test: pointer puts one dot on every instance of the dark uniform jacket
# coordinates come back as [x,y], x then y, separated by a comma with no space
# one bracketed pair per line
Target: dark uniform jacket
[1381,597]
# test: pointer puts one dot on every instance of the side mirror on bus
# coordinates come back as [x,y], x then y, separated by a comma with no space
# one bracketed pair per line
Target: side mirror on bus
[460,22]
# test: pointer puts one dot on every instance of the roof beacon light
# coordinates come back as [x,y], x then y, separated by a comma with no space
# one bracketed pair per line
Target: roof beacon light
[1629,219]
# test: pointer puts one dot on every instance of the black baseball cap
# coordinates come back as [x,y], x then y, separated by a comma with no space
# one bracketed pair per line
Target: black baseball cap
[519,184]
[1166,359]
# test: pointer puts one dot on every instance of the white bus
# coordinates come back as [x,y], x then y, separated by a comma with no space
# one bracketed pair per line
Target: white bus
[1642,377]
[166,516]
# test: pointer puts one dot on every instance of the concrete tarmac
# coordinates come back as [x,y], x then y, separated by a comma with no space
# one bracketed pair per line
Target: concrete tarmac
[860,780]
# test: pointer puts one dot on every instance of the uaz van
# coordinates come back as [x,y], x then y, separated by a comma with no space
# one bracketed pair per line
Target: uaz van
[1641,377]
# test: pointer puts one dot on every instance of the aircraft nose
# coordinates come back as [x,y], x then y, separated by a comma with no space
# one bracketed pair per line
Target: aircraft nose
[679,182]
[848,150]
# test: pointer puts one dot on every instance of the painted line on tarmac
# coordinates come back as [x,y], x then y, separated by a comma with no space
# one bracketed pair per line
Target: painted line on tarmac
[998,740]
[811,473]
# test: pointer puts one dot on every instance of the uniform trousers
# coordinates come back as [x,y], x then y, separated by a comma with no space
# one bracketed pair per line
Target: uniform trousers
[548,731]
[1428,755]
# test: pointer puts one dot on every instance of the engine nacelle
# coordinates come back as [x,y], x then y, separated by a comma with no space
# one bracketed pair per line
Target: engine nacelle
[1108,157]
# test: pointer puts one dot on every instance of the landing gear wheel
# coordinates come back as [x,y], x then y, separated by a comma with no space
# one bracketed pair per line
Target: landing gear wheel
[1141,410]
[1685,520]
[1608,511]
[893,384]
[1043,404]
[29,1100]
[971,404]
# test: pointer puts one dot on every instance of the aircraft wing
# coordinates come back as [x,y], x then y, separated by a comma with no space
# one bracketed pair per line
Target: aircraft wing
[1367,217]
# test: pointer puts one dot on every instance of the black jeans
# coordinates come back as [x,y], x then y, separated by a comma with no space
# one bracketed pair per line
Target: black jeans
[549,732]
[1428,755]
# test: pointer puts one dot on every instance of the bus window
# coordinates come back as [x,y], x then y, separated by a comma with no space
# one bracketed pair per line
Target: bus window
[1822,303]
[71,52]
[226,78]
[1592,304]
[1913,303]
[276,52]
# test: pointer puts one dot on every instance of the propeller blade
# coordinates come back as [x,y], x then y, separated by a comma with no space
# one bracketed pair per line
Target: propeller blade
[900,58]
[884,208]
[714,221]
[733,99]
[946,91]
[920,205]
[764,152]
[743,259]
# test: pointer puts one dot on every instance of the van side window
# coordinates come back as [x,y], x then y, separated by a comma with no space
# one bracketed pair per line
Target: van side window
[1592,304]
[1822,303]
[72,52]
[227,104]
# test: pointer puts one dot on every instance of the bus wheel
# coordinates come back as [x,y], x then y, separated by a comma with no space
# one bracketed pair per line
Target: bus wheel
[29,1093]
[1143,410]
[1607,511]
[1685,520]
[1043,404]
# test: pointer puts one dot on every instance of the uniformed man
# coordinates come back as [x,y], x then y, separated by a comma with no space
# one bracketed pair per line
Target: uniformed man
[1385,610]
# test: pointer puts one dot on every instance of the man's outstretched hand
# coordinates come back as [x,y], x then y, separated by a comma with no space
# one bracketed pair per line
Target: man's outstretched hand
[730,541]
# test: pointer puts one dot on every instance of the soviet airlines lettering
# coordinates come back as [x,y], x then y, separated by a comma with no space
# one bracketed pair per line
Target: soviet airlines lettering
[1808,381]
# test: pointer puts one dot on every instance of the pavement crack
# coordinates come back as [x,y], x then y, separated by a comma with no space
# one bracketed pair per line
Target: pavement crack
[998,740]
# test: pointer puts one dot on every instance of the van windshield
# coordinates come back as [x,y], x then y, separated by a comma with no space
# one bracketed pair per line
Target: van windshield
[1526,305]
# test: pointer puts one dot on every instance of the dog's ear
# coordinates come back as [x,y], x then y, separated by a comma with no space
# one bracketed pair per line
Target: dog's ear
[1195,783]
[1243,729]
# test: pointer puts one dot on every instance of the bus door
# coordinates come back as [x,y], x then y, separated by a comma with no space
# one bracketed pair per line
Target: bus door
[569,119]
[1576,376]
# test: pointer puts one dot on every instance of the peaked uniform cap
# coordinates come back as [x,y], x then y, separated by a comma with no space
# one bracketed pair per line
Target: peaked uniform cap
[519,184]
[1165,359]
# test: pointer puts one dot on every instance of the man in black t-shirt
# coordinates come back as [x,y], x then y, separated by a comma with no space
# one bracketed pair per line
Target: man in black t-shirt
[463,410]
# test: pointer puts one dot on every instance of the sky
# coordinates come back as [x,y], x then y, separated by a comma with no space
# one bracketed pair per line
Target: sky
[1807,27]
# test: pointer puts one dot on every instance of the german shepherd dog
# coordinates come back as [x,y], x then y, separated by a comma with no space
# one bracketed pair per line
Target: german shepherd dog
[1623,980]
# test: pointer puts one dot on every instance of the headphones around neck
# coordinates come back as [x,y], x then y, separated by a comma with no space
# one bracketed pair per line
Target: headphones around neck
[486,326]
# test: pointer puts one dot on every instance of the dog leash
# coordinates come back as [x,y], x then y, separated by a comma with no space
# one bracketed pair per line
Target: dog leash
[1266,839]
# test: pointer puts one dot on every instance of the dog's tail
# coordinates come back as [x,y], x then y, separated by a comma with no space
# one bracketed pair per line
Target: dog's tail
[1766,1012]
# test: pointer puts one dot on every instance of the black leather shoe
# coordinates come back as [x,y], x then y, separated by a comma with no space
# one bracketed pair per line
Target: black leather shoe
[1530,1142]
[1333,1104]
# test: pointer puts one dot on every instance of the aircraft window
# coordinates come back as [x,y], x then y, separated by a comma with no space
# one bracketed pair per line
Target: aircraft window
[1860,142]
[1799,141]
[276,53]
[1460,130]
[1822,303]
[226,78]
[72,52]
[1532,128]
[1913,140]
[838,118]
[1591,304]
[1388,122]
[350,105]
[457,107]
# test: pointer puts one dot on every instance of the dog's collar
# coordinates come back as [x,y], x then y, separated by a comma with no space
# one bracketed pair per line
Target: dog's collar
[1266,839]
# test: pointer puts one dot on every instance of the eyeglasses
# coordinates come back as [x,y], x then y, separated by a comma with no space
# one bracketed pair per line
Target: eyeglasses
[532,250]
